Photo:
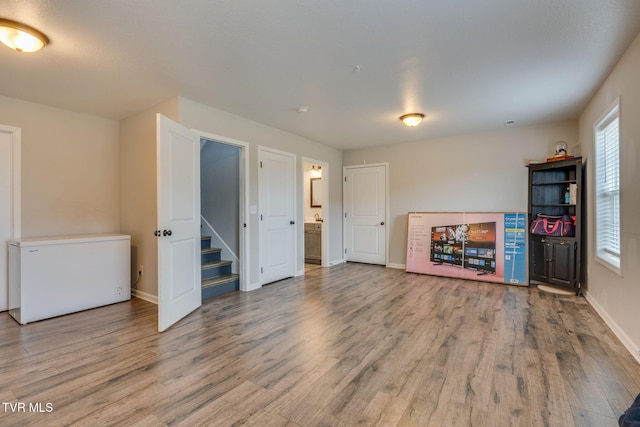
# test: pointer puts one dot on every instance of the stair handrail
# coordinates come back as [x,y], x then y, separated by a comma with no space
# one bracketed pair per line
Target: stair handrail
[227,252]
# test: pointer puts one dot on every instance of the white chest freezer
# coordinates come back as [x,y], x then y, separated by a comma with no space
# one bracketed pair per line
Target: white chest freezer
[53,276]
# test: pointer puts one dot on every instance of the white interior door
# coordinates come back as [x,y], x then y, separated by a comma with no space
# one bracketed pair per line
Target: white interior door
[365,206]
[9,201]
[179,286]
[277,215]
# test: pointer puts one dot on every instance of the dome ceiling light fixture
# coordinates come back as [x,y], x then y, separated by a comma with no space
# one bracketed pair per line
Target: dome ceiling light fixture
[412,119]
[20,37]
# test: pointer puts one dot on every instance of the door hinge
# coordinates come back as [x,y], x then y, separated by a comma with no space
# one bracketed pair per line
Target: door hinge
[260,217]
[345,214]
[260,163]
[345,179]
[345,251]
[261,270]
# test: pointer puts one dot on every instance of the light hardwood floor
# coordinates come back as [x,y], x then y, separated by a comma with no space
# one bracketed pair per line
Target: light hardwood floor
[345,346]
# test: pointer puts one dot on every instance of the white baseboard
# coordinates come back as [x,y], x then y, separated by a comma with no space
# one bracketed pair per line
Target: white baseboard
[144,296]
[626,341]
[299,273]
[336,262]
[252,287]
[398,266]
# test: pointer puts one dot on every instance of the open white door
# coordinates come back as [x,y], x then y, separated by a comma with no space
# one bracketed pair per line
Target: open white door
[178,163]
[277,215]
[365,209]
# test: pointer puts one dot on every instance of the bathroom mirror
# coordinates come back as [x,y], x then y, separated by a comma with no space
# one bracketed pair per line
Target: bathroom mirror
[316,192]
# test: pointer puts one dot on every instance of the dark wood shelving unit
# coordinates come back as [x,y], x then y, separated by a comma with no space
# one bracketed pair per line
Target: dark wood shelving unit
[556,260]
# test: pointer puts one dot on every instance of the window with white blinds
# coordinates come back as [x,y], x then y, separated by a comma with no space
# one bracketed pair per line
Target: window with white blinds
[607,188]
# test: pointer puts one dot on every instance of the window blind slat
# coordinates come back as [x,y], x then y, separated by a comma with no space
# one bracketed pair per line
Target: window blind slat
[607,187]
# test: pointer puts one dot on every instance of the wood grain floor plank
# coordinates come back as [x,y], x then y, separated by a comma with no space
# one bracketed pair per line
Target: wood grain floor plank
[547,390]
[233,408]
[383,410]
[115,402]
[348,345]
[585,418]
[268,419]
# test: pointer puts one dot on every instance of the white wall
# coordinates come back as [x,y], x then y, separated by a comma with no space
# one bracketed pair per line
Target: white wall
[616,298]
[481,172]
[139,193]
[208,119]
[70,170]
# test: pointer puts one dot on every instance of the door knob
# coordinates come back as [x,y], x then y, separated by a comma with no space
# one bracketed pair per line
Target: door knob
[382,223]
[157,233]
[166,233]
[292,222]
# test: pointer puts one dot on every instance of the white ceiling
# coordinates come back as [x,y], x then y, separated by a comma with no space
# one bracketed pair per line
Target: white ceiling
[468,65]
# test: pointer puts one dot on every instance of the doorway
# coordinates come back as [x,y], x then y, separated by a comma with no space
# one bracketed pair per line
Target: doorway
[224,185]
[10,143]
[220,217]
[315,208]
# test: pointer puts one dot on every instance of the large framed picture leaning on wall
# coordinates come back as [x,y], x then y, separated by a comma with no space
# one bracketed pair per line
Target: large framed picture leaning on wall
[484,246]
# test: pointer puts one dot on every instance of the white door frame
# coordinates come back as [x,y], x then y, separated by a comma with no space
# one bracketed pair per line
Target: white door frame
[261,225]
[244,252]
[386,208]
[325,207]
[15,226]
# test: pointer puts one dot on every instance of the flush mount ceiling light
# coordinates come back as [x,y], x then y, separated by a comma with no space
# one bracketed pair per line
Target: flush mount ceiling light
[20,37]
[412,120]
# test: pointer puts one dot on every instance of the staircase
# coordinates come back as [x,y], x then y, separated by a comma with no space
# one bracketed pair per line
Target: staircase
[217,278]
